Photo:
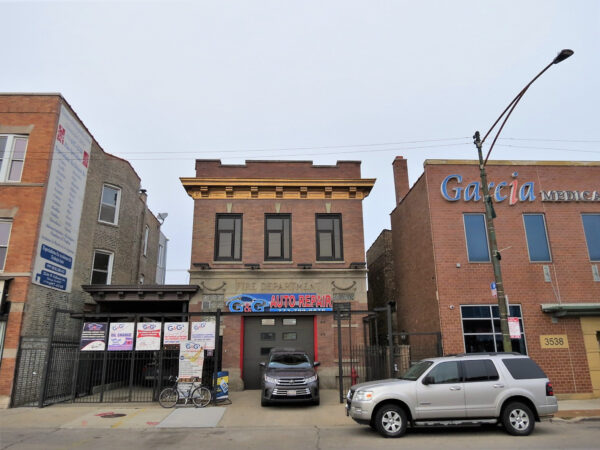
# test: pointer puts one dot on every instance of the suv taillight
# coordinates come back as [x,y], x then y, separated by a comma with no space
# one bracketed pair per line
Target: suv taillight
[549,389]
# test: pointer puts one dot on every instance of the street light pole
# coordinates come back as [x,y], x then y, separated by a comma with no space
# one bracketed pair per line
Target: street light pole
[487,200]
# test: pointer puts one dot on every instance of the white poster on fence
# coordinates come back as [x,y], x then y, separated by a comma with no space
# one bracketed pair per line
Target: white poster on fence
[175,333]
[191,359]
[204,332]
[148,336]
[120,336]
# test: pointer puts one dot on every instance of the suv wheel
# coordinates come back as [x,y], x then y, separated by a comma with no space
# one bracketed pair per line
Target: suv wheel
[390,421]
[518,419]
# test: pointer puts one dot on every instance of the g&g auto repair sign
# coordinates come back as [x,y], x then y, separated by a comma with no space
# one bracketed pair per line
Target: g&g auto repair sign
[296,302]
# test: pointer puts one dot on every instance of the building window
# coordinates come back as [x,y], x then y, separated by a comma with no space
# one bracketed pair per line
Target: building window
[476,237]
[482,332]
[5,227]
[228,242]
[329,237]
[591,227]
[109,204]
[146,233]
[537,238]
[12,157]
[278,240]
[102,267]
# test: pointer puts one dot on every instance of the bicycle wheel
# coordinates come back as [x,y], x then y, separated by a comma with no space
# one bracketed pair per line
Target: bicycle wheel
[201,396]
[168,397]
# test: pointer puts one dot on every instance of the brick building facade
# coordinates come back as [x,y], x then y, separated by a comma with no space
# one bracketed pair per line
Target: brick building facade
[73,210]
[548,233]
[284,230]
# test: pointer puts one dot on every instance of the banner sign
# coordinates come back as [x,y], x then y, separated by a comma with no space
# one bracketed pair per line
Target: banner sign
[452,191]
[148,336]
[191,359]
[514,328]
[175,333]
[305,302]
[494,290]
[120,336]
[93,337]
[204,333]
[59,229]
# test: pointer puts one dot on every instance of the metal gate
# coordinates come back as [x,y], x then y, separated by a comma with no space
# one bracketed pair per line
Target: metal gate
[45,365]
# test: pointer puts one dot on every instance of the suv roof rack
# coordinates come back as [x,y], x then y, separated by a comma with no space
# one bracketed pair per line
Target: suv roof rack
[488,354]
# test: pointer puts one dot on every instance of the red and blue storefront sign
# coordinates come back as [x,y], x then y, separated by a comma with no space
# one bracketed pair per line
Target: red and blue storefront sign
[296,302]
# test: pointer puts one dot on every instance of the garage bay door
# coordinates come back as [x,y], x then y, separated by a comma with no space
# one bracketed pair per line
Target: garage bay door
[261,334]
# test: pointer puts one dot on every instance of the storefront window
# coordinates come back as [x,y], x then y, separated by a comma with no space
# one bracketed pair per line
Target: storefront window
[482,332]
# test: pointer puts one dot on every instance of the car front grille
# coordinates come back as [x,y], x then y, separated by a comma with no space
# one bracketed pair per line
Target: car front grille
[291,382]
[294,392]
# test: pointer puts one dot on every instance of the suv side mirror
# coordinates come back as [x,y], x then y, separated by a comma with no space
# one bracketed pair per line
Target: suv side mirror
[316,364]
[428,380]
[262,364]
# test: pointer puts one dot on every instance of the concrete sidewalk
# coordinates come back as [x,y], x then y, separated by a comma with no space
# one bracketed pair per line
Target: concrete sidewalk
[244,411]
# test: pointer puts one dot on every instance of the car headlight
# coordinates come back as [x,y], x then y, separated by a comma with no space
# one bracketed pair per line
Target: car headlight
[363,396]
[310,379]
[270,380]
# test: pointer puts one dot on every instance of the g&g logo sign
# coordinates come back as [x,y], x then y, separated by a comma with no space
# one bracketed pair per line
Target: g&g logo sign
[192,346]
[245,303]
[173,327]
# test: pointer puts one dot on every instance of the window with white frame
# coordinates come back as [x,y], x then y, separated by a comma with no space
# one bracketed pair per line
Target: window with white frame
[12,157]
[5,227]
[537,238]
[109,204]
[102,267]
[476,237]
[482,332]
[146,233]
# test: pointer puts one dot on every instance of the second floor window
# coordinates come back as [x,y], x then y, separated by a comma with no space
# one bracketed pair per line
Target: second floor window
[278,242]
[537,238]
[12,157]
[228,237]
[476,236]
[591,228]
[329,237]
[109,204]
[102,267]
[5,227]
[146,233]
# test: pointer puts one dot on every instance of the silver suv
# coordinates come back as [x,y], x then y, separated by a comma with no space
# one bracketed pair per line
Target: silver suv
[509,388]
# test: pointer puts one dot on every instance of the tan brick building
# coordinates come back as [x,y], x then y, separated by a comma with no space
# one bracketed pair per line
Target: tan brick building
[287,232]
[548,233]
[70,215]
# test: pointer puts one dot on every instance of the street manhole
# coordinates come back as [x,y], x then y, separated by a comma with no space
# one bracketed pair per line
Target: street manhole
[110,415]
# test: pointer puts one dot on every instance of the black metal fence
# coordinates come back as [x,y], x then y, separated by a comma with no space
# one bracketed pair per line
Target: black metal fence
[51,370]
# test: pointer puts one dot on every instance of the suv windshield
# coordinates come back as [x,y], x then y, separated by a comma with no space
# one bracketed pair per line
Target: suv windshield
[416,371]
[289,361]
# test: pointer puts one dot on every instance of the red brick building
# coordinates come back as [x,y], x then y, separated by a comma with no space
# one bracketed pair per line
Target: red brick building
[278,244]
[70,215]
[548,233]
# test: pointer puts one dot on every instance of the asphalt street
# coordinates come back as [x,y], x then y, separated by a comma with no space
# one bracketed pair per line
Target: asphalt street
[548,435]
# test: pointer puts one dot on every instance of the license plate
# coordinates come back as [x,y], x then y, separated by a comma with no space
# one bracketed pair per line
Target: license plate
[291,393]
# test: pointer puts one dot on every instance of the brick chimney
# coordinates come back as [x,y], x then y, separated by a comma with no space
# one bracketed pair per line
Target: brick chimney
[400,178]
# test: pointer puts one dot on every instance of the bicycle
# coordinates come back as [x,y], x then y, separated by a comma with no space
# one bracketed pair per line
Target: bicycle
[200,396]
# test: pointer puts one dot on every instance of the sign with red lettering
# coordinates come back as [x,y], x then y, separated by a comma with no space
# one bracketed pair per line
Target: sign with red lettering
[296,302]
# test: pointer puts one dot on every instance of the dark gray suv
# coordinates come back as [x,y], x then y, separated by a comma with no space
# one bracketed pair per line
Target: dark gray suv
[289,375]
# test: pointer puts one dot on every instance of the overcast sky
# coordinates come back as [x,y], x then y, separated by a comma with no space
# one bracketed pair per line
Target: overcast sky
[163,83]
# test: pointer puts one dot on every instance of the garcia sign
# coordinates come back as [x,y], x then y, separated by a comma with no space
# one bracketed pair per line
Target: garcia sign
[245,303]
[452,191]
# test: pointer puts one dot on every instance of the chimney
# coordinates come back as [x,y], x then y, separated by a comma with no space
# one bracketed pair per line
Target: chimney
[400,178]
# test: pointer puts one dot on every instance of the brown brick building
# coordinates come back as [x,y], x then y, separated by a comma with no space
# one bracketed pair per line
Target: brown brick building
[548,233]
[70,215]
[278,244]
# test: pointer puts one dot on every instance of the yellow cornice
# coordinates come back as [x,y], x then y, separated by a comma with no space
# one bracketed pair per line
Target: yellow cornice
[286,188]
